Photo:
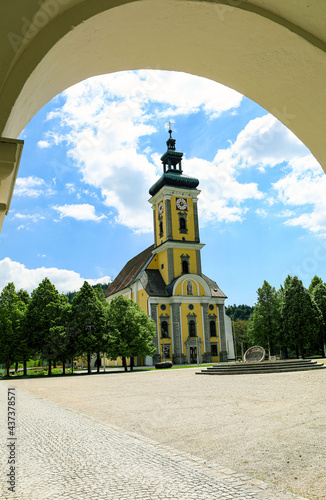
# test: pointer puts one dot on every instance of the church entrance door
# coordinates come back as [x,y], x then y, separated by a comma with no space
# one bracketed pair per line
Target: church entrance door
[193,355]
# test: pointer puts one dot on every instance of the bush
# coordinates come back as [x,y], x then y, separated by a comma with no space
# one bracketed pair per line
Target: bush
[164,364]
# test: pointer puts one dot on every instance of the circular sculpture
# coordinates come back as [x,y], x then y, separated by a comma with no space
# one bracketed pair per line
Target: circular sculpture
[254,354]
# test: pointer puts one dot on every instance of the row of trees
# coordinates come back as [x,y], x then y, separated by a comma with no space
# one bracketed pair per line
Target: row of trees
[45,325]
[291,320]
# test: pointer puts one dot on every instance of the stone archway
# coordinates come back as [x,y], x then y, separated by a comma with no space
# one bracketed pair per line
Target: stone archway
[272,52]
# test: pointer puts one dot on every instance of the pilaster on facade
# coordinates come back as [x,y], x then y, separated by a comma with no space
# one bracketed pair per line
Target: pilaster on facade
[168,219]
[207,356]
[154,225]
[221,321]
[10,155]
[156,342]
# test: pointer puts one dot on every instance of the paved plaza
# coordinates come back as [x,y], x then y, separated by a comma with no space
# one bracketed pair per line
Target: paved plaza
[62,453]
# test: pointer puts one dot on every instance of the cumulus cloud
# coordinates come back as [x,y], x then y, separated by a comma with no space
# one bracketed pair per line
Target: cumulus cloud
[106,119]
[82,212]
[303,187]
[32,187]
[28,279]
[29,217]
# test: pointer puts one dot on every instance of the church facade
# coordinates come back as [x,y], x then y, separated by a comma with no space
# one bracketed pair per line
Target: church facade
[166,279]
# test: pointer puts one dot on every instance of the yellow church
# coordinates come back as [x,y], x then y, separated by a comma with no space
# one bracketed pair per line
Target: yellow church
[166,279]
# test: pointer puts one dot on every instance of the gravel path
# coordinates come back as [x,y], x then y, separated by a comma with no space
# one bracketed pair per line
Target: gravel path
[271,427]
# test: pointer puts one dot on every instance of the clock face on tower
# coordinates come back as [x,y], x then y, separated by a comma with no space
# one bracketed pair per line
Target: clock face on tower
[160,208]
[181,203]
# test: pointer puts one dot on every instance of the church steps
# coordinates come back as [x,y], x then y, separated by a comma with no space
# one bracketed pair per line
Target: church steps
[263,367]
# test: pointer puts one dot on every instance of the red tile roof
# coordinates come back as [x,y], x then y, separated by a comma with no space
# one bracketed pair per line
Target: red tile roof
[130,271]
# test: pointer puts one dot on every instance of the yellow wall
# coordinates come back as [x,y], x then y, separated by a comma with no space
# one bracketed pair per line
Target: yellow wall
[177,252]
[162,259]
[154,263]
[142,300]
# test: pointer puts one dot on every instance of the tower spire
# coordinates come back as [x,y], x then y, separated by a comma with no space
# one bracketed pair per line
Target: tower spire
[171,159]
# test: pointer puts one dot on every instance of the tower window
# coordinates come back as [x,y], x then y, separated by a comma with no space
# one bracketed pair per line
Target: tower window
[192,328]
[183,222]
[185,267]
[212,328]
[161,228]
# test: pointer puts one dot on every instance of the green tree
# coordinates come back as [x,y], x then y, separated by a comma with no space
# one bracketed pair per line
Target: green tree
[45,313]
[264,326]
[100,294]
[12,312]
[88,315]
[314,282]
[301,317]
[319,297]
[241,335]
[241,312]
[131,331]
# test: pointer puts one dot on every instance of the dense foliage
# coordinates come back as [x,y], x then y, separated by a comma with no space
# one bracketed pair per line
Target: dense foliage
[292,320]
[99,286]
[46,326]
[242,312]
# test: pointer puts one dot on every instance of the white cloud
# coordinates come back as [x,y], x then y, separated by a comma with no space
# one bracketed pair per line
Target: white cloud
[70,187]
[29,217]
[221,194]
[28,279]
[32,187]
[304,186]
[44,144]
[261,212]
[106,117]
[266,142]
[82,212]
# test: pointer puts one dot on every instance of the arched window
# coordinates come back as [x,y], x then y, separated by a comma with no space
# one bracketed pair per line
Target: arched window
[185,267]
[212,328]
[161,228]
[183,222]
[192,328]
[164,330]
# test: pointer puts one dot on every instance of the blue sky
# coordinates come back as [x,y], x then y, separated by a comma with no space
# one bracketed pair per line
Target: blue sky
[80,208]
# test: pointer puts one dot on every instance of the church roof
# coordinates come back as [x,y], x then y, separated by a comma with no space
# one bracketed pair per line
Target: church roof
[215,289]
[153,283]
[175,179]
[130,272]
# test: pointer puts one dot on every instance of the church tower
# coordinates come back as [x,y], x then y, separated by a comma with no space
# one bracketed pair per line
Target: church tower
[166,279]
[175,217]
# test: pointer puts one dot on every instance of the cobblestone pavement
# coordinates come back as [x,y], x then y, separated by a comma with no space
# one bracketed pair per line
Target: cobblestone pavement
[62,453]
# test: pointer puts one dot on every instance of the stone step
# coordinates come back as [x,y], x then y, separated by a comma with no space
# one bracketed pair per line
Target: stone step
[264,367]
[263,364]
